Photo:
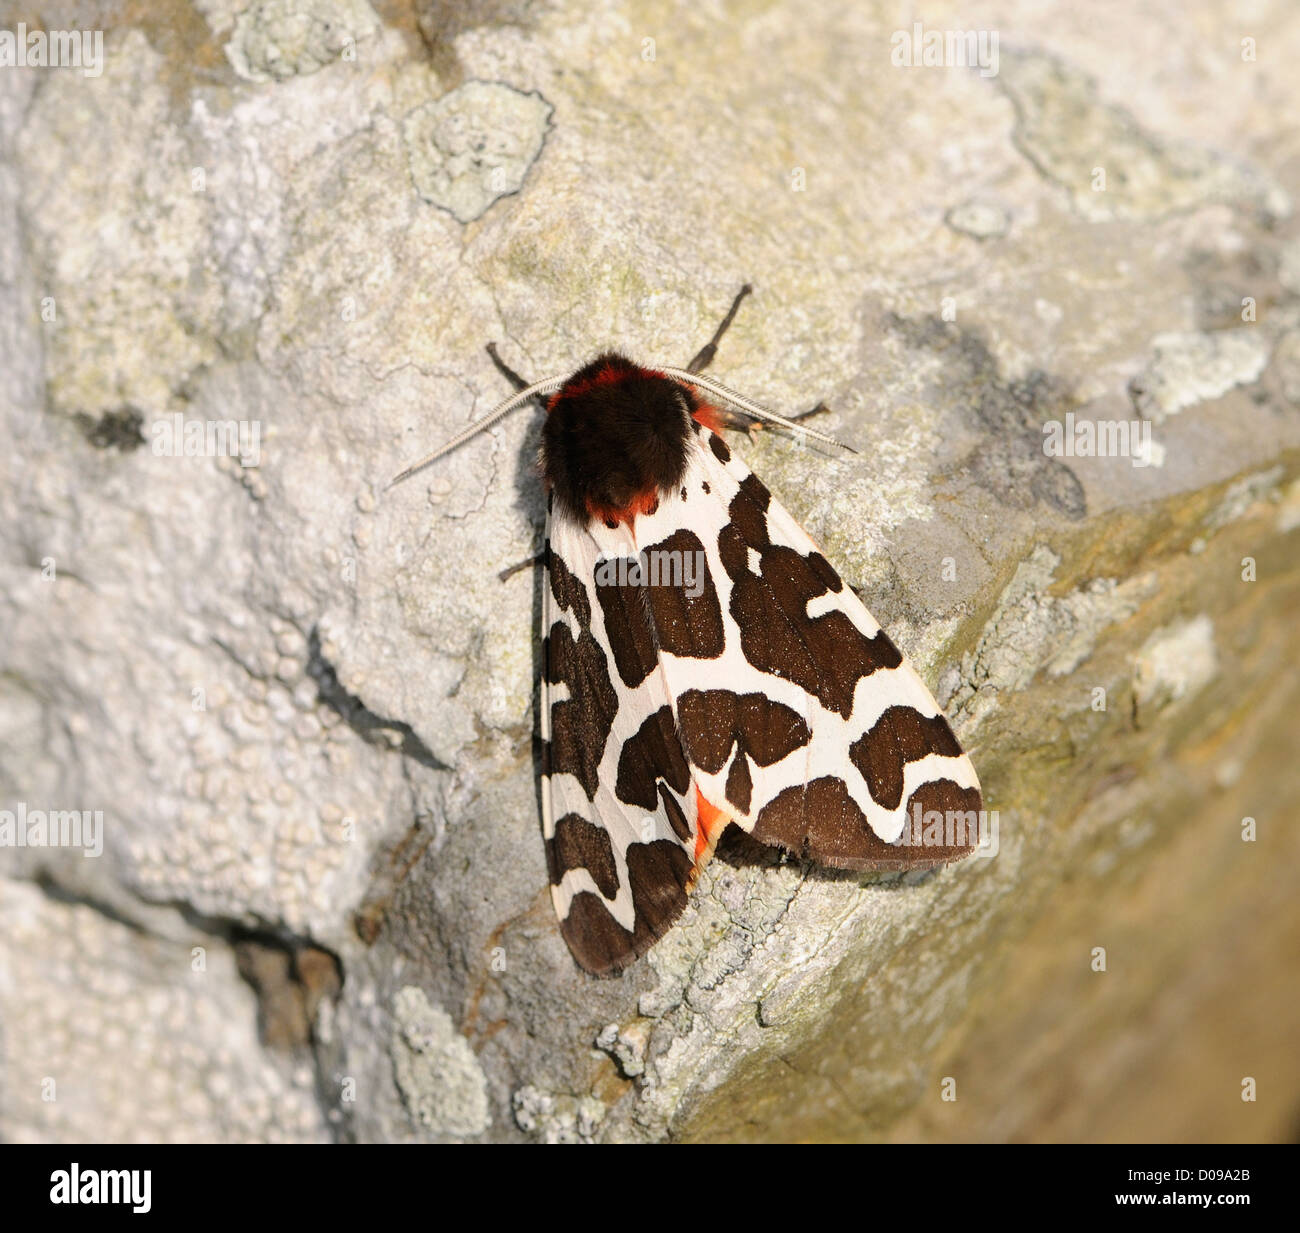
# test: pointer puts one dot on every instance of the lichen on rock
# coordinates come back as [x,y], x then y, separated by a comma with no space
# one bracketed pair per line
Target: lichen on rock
[474,145]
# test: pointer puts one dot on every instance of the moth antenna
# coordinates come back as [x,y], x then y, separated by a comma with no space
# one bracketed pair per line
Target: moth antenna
[549,386]
[718,390]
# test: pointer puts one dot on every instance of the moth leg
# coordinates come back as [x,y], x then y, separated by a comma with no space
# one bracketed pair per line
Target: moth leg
[738,419]
[520,384]
[510,375]
[504,369]
[704,357]
[805,415]
[511,571]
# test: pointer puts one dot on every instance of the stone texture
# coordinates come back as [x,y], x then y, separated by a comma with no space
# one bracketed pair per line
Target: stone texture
[303,703]
[981,219]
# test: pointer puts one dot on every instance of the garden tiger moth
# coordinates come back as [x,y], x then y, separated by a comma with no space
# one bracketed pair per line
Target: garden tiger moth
[704,666]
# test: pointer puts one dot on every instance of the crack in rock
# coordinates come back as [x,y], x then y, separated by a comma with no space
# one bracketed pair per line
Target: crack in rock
[393,734]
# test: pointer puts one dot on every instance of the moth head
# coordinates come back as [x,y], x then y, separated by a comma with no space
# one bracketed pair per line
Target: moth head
[667,408]
[615,439]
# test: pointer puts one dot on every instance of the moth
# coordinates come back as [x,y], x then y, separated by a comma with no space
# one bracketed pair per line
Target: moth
[705,667]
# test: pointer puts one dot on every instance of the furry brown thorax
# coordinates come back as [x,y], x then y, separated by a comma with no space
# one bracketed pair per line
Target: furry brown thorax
[615,439]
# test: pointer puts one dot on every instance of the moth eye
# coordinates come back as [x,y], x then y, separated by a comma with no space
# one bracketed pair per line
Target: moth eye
[654,509]
[612,524]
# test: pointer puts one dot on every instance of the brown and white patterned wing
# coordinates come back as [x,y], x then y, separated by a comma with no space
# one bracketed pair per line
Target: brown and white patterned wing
[735,679]
[808,728]
[617,815]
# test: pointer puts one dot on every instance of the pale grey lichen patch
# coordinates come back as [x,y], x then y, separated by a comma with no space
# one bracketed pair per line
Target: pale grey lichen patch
[277,39]
[626,1045]
[474,145]
[1192,367]
[981,219]
[557,1117]
[1288,510]
[782,999]
[1075,139]
[730,915]
[441,1081]
[847,505]
[1175,662]
[714,970]
[829,935]
[1032,630]
[1081,616]
[1242,494]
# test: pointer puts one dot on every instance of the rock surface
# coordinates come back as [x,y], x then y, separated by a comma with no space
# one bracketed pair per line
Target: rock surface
[302,704]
